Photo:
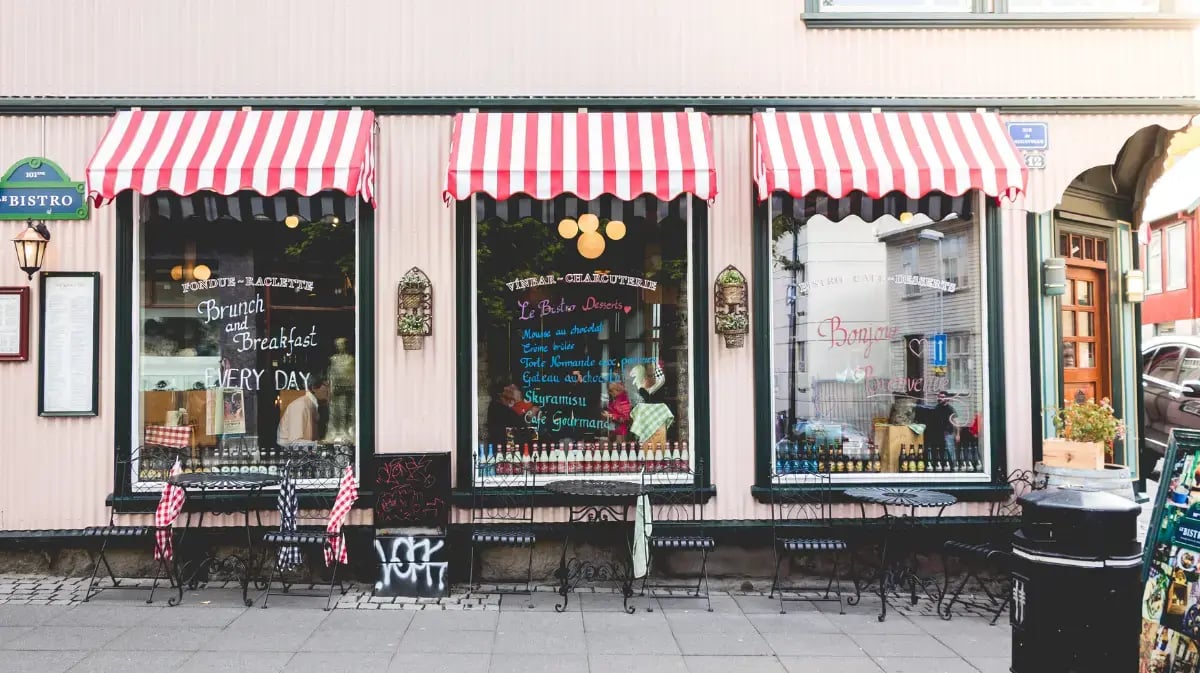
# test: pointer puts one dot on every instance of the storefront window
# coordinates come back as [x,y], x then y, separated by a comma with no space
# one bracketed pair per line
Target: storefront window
[1154,265]
[247,334]
[582,336]
[894,376]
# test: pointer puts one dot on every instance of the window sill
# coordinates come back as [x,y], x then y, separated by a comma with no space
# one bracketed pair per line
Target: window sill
[965,492]
[935,21]
[544,498]
[230,502]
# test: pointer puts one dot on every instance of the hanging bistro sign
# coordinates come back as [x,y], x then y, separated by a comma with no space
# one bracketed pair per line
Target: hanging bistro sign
[35,188]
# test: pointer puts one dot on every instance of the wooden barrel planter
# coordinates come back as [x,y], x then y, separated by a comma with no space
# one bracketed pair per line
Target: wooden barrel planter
[1116,479]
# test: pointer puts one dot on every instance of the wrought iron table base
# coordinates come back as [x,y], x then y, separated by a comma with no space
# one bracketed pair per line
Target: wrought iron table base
[896,572]
[245,568]
[571,572]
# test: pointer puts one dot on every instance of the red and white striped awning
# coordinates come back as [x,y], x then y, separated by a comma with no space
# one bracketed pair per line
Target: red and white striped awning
[877,153]
[546,154]
[226,151]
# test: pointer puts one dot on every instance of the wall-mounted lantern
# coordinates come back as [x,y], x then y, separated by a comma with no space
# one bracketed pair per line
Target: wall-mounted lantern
[1135,286]
[31,247]
[1054,277]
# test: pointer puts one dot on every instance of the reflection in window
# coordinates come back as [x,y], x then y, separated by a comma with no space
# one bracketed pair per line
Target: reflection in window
[1176,257]
[876,300]
[582,335]
[1165,365]
[247,328]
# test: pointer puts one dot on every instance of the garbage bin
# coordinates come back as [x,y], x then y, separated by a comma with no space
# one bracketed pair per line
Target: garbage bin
[1076,572]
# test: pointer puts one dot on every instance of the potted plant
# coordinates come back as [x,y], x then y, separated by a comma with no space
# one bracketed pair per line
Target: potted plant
[732,285]
[1086,433]
[412,289]
[411,328]
[733,326]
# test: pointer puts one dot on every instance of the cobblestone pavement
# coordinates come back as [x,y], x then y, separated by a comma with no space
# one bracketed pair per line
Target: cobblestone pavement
[44,626]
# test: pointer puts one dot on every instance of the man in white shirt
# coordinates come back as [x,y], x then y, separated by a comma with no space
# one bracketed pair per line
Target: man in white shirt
[299,420]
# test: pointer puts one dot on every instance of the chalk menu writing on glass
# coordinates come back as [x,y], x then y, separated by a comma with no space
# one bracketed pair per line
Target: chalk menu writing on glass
[563,330]
[68,358]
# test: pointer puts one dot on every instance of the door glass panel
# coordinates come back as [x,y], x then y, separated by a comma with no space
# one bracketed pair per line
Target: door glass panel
[1087,324]
[1069,297]
[1086,353]
[1083,293]
[1189,369]
[1068,320]
[1068,355]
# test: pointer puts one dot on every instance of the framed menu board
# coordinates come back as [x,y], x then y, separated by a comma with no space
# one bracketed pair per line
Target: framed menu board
[1170,637]
[69,366]
[14,324]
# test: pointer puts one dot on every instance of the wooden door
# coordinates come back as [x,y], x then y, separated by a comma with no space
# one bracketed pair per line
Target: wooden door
[1085,335]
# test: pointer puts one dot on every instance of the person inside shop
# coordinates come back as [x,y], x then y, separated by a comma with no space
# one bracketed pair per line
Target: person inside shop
[940,429]
[300,419]
[618,410]
[508,415]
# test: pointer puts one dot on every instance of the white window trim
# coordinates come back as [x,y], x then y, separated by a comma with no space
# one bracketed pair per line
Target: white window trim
[1156,241]
[898,7]
[1181,229]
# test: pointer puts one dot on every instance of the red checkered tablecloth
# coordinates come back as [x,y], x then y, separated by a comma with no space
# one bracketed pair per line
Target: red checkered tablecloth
[177,436]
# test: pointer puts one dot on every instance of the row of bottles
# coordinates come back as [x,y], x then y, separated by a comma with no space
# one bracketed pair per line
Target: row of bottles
[582,458]
[918,458]
[809,457]
[234,460]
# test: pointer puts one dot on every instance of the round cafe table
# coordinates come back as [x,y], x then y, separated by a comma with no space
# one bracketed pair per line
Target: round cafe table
[897,570]
[592,502]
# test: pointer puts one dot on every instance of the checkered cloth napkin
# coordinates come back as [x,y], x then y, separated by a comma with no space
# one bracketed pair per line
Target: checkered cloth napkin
[347,494]
[169,507]
[648,418]
[658,370]
[177,436]
[289,556]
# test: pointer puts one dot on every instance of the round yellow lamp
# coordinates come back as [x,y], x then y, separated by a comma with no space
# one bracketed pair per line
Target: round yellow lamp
[591,244]
[906,217]
[567,228]
[291,221]
[588,222]
[177,272]
[201,272]
[615,230]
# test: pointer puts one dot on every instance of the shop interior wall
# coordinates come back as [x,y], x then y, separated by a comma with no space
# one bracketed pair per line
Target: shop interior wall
[56,472]
[550,47]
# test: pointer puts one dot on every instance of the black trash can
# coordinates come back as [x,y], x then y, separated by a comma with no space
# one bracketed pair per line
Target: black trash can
[1076,572]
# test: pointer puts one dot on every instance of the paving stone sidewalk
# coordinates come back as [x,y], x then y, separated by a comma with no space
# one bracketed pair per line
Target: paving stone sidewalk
[44,628]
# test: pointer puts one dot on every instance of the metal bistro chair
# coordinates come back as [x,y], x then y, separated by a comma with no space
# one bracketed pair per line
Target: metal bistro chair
[678,524]
[993,553]
[502,516]
[310,539]
[802,523]
[154,463]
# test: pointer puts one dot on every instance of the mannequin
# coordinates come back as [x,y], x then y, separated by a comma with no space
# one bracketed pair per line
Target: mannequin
[341,397]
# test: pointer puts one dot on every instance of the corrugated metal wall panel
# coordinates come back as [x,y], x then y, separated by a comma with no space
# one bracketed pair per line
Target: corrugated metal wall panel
[415,390]
[1077,143]
[731,371]
[532,47]
[56,472]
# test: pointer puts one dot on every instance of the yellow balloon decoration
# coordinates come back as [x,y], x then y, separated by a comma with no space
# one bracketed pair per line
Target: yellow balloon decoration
[591,244]
[588,222]
[615,230]
[567,228]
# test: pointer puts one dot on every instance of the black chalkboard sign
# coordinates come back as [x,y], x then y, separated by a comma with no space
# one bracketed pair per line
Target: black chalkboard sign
[413,490]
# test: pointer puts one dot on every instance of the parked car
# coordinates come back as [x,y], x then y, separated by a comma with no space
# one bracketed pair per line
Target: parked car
[1170,389]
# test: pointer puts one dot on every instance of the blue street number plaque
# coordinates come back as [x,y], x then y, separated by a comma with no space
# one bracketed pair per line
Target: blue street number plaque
[1030,135]
[939,350]
[37,189]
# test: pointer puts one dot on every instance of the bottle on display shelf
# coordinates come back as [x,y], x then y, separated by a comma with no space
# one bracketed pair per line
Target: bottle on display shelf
[563,465]
[676,464]
[489,461]
[660,457]
[585,458]
[903,458]
[526,459]
[623,465]
[685,458]
[922,464]
[876,464]
[504,464]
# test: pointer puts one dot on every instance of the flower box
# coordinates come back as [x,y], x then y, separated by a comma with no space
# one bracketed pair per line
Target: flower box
[1067,453]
